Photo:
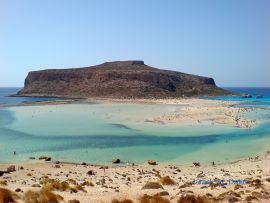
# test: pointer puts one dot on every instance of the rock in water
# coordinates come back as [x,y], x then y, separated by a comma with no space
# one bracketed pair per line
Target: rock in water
[152,162]
[45,158]
[116,161]
[120,79]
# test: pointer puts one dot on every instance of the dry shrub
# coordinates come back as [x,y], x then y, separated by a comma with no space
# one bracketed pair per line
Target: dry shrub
[79,188]
[153,199]
[42,196]
[122,201]
[157,173]
[71,181]
[194,199]
[152,185]
[57,185]
[52,184]
[3,182]
[167,181]
[6,196]
[87,183]
[228,194]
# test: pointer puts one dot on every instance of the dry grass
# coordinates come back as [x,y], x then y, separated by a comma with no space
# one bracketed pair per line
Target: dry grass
[152,185]
[42,196]
[194,199]
[153,199]
[167,181]
[52,184]
[72,181]
[122,201]
[6,196]
[3,182]
[87,183]
[79,188]
[56,185]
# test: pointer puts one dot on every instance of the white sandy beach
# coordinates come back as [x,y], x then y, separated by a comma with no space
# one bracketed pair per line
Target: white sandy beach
[242,180]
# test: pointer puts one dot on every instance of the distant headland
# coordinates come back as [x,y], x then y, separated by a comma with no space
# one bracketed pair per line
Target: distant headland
[119,79]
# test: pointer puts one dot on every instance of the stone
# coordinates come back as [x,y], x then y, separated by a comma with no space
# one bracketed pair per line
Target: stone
[73,201]
[116,161]
[45,158]
[90,172]
[163,193]
[197,164]
[11,168]
[18,190]
[152,162]
[48,159]
[152,185]
[36,185]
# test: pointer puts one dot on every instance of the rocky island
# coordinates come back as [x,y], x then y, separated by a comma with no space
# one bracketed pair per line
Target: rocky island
[119,79]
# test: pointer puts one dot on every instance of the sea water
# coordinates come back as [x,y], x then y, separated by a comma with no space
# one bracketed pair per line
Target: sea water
[7,98]
[99,132]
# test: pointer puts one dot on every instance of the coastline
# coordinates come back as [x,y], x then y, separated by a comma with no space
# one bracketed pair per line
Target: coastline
[245,179]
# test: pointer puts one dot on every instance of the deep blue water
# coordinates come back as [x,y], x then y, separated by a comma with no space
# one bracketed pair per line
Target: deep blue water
[5,92]
[264,91]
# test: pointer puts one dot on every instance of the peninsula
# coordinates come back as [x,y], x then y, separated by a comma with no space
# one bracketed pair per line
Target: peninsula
[119,79]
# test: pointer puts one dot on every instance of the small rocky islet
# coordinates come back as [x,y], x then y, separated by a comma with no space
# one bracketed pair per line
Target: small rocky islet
[117,79]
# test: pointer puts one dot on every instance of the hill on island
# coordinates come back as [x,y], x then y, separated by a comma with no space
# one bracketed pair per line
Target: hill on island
[119,79]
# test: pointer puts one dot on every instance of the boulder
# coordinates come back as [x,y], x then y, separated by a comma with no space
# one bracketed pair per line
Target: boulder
[73,201]
[48,159]
[11,168]
[45,158]
[152,162]
[197,164]
[152,185]
[116,161]
[91,173]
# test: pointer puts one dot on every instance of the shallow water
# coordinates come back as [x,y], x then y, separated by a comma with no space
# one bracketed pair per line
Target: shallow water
[98,133]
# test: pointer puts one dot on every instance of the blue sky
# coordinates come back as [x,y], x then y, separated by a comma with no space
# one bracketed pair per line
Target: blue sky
[228,40]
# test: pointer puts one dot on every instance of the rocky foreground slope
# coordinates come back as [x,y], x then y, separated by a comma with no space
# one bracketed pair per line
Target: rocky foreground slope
[120,79]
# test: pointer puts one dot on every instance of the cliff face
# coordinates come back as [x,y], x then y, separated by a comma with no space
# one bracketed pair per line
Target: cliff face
[120,79]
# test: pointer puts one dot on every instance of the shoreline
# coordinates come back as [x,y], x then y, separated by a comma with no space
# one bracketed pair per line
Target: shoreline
[246,179]
[197,110]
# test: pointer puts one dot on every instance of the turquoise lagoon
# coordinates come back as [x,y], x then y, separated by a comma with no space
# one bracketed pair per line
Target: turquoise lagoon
[99,132]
